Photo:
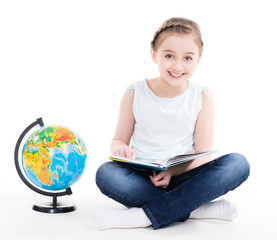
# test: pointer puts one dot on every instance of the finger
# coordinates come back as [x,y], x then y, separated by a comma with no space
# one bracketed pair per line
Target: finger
[153,181]
[127,153]
[133,155]
[159,176]
[162,184]
[154,173]
[116,153]
[122,153]
[157,184]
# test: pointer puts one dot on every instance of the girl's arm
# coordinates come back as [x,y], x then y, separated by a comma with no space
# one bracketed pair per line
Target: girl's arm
[124,128]
[204,127]
[203,135]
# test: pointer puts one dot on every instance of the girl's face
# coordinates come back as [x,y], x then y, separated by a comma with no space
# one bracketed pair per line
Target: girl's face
[177,57]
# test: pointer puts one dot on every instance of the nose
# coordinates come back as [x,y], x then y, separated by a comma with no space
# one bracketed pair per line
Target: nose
[177,66]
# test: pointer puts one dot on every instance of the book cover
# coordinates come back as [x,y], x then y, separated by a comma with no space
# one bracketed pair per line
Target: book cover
[161,164]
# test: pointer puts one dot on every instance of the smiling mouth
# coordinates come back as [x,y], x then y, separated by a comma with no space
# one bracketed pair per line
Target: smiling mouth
[176,75]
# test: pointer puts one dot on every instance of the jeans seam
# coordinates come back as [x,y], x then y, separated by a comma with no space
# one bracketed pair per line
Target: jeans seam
[155,225]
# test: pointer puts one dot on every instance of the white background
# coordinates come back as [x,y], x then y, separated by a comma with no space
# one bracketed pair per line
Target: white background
[69,62]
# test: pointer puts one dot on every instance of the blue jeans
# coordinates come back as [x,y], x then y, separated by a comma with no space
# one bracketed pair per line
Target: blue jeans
[132,187]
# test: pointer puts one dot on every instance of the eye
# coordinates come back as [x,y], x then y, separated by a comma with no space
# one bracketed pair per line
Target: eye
[188,58]
[169,56]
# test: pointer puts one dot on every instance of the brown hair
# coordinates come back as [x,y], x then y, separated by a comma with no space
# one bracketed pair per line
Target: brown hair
[181,26]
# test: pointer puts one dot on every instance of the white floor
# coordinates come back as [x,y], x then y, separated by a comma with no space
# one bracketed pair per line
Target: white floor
[19,221]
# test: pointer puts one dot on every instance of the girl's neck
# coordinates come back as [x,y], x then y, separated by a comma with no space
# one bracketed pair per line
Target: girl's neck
[164,90]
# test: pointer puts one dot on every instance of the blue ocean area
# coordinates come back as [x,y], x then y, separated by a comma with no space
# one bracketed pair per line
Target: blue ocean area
[66,167]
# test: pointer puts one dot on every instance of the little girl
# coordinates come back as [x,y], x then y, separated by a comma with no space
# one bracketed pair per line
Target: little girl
[162,117]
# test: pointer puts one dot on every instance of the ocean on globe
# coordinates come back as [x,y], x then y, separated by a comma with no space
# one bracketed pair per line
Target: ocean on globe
[54,157]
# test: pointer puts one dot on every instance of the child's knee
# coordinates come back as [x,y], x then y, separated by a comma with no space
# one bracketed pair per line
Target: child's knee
[238,165]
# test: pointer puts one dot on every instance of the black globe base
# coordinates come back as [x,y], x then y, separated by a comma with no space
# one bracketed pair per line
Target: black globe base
[54,206]
[51,208]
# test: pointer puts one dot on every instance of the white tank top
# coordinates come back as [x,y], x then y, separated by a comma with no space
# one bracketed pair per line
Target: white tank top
[164,127]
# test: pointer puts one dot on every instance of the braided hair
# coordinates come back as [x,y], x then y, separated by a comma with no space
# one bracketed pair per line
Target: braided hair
[181,26]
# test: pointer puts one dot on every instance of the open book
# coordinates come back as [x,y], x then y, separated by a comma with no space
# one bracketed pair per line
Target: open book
[161,164]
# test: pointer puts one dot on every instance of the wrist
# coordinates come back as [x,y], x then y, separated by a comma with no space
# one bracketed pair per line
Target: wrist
[178,169]
[172,171]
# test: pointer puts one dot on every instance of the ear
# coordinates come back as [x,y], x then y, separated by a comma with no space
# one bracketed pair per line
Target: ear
[154,55]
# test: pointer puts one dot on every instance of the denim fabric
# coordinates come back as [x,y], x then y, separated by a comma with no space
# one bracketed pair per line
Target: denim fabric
[132,187]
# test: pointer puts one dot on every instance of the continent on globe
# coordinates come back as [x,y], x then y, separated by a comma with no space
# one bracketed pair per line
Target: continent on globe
[54,157]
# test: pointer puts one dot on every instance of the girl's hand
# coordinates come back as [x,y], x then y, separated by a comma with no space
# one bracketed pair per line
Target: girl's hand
[162,179]
[125,151]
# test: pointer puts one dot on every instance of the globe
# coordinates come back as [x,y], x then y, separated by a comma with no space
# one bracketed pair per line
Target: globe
[54,157]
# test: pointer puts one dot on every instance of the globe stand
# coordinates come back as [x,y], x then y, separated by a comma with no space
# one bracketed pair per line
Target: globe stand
[54,206]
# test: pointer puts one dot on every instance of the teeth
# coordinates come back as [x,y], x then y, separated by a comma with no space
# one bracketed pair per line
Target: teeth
[176,75]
